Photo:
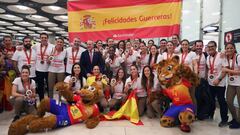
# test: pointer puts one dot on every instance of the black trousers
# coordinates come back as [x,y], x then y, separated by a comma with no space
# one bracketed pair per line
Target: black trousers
[204,99]
[40,83]
[219,92]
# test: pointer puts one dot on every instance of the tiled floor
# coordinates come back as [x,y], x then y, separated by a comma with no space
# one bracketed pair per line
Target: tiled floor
[124,127]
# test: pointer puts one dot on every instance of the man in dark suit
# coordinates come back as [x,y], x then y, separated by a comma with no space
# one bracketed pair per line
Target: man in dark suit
[90,58]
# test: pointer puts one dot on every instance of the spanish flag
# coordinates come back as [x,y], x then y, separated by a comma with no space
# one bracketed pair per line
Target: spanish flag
[128,111]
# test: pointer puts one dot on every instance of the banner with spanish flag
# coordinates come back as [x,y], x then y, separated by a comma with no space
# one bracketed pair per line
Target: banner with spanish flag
[123,19]
[129,111]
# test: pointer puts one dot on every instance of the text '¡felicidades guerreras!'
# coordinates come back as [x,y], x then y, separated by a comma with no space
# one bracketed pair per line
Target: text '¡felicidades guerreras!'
[129,19]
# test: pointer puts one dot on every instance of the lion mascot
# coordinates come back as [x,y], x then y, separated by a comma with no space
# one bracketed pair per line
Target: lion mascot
[81,107]
[176,80]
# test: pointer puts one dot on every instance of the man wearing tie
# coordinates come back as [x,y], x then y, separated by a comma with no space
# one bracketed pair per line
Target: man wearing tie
[90,58]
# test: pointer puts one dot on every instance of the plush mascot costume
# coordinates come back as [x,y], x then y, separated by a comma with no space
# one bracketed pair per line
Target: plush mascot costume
[80,108]
[176,79]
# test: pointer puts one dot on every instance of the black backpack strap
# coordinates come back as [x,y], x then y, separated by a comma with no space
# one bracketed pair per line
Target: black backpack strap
[237,59]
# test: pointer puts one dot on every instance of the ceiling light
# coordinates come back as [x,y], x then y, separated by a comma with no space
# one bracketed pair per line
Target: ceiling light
[25,23]
[65,24]
[37,16]
[2,10]
[19,34]
[63,16]
[35,28]
[10,16]
[45,1]
[9,1]
[5,23]
[61,32]
[210,28]
[54,7]
[27,31]
[15,28]
[56,29]
[36,35]
[8,31]
[21,7]
[4,34]
[48,32]
[49,24]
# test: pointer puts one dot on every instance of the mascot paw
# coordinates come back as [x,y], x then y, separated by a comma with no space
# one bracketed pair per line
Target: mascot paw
[19,127]
[92,122]
[186,117]
[167,121]
[42,124]
[185,128]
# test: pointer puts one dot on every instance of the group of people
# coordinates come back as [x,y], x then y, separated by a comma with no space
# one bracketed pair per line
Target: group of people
[120,67]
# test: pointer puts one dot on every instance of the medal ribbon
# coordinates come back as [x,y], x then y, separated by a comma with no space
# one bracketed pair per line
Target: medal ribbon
[42,52]
[143,56]
[148,89]
[233,62]
[26,86]
[28,56]
[198,63]
[184,55]
[74,57]
[212,64]
[169,56]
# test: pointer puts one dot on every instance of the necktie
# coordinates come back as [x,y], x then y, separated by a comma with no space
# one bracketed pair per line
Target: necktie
[90,54]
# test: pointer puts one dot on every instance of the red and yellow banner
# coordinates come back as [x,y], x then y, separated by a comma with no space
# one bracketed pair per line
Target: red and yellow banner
[122,19]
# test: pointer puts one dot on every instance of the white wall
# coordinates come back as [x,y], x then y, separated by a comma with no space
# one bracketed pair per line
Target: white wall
[231,19]
[190,25]
[191,17]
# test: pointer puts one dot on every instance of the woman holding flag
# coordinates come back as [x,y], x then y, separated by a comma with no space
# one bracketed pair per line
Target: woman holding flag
[133,83]
[117,87]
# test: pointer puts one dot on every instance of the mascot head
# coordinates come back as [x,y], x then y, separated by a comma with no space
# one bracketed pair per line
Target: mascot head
[170,72]
[91,94]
